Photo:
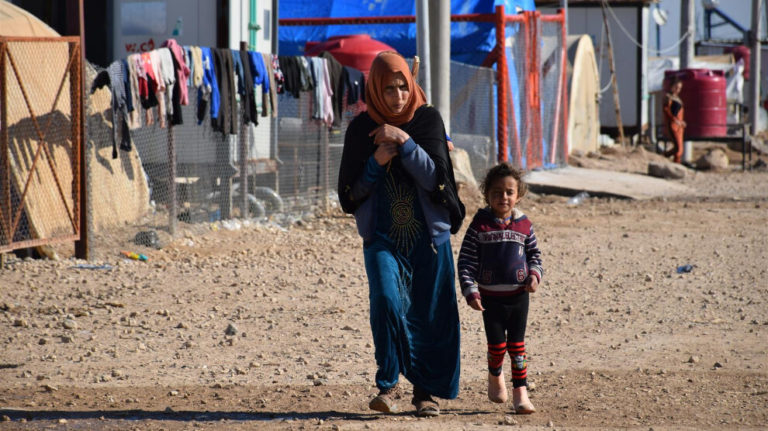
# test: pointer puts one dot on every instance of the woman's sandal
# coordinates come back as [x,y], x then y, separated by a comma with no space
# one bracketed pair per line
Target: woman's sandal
[426,406]
[386,400]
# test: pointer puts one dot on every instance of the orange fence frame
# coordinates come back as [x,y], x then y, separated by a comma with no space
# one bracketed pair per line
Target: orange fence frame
[9,219]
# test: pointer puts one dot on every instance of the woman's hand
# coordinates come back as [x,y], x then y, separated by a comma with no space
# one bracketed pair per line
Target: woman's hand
[385,152]
[389,133]
[475,304]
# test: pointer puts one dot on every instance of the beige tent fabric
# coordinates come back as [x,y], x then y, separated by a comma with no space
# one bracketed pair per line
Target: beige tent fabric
[583,88]
[15,21]
[118,193]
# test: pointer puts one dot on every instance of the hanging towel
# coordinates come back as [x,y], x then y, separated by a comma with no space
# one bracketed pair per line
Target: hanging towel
[197,66]
[337,85]
[134,120]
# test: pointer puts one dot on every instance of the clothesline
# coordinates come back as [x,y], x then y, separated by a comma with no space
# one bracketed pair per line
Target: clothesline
[149,82]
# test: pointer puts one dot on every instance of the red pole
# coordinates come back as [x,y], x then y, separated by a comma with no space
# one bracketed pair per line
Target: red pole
[536,150]
[503,84]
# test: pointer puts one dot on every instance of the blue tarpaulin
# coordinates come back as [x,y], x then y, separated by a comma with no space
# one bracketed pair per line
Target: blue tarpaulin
[470,42]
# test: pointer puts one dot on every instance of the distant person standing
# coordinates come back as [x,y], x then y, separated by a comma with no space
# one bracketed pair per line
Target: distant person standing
[673,118]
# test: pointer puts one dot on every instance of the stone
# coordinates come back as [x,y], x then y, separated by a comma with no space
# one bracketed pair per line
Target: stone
[231,330]
[666,170]
[714,159]
[462,168]
[20,323]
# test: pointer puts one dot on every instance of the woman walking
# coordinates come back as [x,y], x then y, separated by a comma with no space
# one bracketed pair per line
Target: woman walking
[397,179]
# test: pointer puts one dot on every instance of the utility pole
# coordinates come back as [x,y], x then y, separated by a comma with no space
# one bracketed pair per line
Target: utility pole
[440,56]
[422,47]
[614,81]
[687,31]
[754,66]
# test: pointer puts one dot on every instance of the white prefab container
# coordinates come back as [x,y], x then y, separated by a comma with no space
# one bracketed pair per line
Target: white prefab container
[628,27]
[141,26]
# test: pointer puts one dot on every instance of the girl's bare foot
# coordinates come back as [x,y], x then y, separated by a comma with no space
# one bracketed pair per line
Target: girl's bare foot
[523,405]
[497,388]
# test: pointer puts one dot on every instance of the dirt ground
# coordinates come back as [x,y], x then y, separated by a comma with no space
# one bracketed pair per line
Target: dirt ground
[260,327]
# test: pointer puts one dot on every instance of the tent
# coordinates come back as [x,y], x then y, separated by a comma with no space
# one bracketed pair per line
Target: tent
[583,89]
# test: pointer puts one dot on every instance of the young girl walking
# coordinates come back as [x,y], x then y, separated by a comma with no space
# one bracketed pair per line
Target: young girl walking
[499,265]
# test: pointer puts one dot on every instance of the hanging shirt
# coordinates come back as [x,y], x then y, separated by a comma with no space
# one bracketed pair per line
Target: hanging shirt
[113,78]
[209,91]
[248,100]
[181,70]
[337,85]
[354,81]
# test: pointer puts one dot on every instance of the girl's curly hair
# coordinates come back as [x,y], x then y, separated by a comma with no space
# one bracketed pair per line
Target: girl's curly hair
[502,170]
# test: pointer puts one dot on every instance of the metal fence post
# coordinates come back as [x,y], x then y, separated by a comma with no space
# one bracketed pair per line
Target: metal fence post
[172,210]
[243,153]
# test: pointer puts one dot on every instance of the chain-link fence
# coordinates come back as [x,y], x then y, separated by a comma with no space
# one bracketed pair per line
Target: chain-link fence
[292,161]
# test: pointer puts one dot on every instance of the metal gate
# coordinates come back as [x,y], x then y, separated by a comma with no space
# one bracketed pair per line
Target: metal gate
[40,141]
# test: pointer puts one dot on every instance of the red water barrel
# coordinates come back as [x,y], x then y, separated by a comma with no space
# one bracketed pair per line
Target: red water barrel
[740,52]
[357,50]
[703,95]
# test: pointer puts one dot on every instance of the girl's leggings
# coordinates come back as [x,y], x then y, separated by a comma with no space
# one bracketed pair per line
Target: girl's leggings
[505,319]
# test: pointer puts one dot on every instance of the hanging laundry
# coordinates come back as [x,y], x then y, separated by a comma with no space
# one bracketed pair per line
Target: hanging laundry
[274,73]
[337,84]
[248,99]
[180,94]
[355,83]
[227,119]
[188,61]
[237,67]
[208,92]
[197,66]
[134,120]
[148,89]
[323,93]
[260,77]
[113,78]
[292,71]
[279,78]
[168,77]
[307,79]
